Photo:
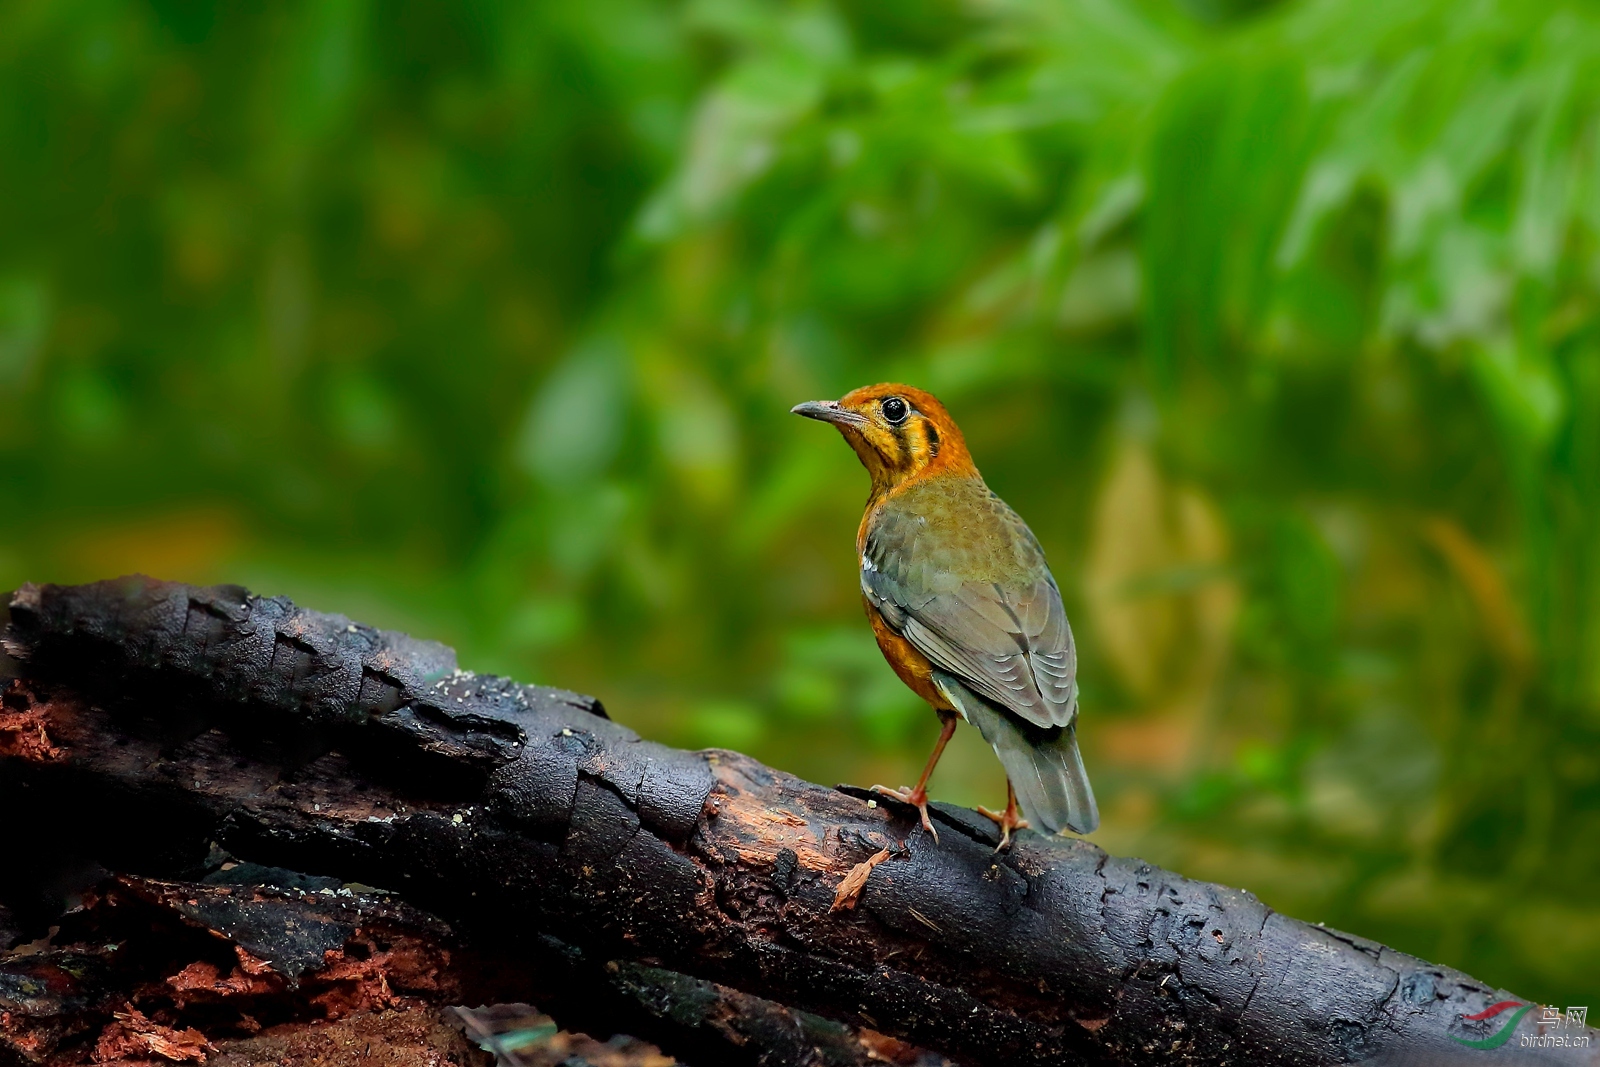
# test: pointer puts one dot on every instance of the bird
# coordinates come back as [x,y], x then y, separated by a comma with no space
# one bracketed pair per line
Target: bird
[964,607]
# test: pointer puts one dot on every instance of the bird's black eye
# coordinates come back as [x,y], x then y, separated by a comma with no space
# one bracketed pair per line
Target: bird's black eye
[895,410]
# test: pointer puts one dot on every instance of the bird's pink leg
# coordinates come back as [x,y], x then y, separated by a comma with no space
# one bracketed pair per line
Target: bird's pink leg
[917,795]
[1008,820]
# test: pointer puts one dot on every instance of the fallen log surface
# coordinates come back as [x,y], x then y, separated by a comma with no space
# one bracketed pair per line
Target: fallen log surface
[257,966]
[150,724]
[143,970]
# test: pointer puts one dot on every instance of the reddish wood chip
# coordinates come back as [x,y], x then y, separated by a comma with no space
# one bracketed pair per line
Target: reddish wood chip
[850,889]
[133,1034]
[22,734]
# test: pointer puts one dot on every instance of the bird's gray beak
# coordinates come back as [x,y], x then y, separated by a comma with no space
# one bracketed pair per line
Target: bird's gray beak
[828,411]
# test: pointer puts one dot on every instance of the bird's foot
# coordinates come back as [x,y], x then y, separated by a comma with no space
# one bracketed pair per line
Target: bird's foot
[917,798]
[1007,820]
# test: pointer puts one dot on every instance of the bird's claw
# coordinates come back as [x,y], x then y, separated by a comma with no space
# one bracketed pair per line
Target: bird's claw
[1007,820]
[917,798]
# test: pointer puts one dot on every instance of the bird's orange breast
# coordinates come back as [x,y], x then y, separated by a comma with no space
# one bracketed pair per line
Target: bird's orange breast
[912,666]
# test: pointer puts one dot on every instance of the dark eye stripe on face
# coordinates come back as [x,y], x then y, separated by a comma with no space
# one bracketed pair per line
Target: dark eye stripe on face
[915,439]
[904,453]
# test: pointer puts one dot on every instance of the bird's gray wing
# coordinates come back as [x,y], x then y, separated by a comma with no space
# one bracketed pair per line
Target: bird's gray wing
[1007,640]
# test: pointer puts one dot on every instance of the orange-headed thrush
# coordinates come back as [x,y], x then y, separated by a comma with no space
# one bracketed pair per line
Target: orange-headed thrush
[963,605]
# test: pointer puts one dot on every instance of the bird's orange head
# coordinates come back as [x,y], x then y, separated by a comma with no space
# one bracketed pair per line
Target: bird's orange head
[901,433]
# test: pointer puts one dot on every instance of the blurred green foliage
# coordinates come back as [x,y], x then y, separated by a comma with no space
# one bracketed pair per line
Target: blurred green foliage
[1279,323]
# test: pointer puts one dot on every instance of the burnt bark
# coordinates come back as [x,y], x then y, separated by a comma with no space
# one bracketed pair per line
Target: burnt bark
[153,722]
[251,950]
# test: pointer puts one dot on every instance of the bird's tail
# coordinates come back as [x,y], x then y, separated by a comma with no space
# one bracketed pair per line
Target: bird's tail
[1043,764]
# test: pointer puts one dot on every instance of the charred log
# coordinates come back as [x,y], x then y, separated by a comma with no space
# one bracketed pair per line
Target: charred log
[258,965]
[151,722]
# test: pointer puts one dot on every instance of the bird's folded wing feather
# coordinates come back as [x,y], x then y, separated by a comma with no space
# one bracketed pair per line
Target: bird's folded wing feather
[1009,641]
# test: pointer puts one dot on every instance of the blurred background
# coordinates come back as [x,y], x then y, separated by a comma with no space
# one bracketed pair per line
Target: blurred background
[1278,322]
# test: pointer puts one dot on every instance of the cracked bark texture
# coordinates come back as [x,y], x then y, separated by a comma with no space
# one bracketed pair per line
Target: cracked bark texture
[172,717]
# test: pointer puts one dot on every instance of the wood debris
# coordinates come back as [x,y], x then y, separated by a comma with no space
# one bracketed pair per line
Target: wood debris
[850,889]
